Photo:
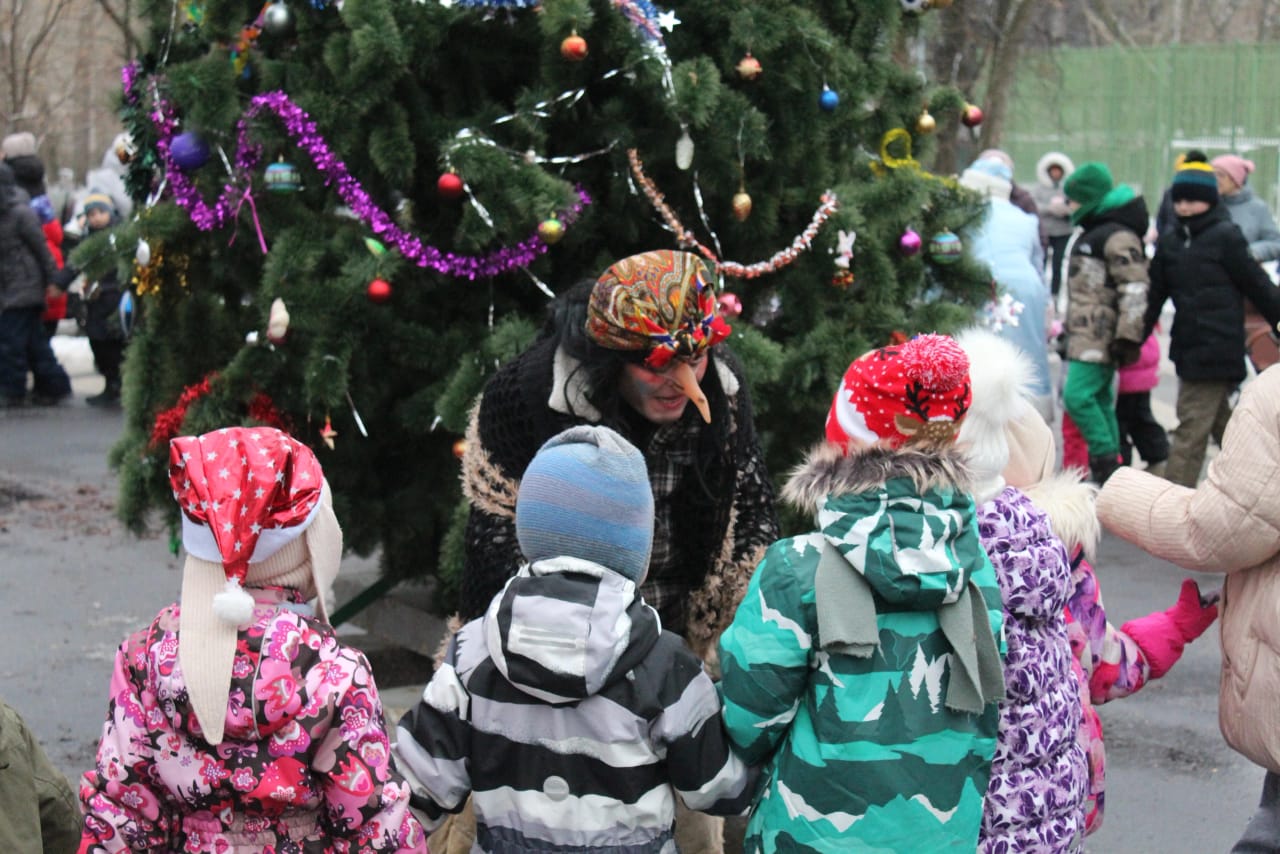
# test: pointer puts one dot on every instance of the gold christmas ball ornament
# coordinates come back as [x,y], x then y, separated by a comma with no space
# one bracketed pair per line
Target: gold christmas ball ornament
[551,230]
[741,205]
[749,68]
[926,123]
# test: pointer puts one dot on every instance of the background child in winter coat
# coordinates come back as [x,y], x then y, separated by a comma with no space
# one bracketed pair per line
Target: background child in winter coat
[38,811]
[1039,776]
[566,711]
[237,720]
[1138,425]
[1108,662]
[1203,264]
[863,664]
[1052,169]
[1107,296]
[102,325]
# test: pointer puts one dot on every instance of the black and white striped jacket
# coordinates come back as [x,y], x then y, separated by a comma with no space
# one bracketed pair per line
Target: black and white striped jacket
[572,719]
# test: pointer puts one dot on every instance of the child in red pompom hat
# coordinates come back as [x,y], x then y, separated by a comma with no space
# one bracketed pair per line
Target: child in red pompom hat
[883,625]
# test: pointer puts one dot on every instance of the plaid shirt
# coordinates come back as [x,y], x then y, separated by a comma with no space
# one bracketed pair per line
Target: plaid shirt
[670,455]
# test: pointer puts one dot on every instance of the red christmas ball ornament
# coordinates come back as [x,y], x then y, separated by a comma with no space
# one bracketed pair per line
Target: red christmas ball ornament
[460,448]
[972,116]
[730,305]
[450,185]
[379,291]
[749,68]
[574,47]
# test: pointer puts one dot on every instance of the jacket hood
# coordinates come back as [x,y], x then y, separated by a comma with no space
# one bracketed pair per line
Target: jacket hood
[1131,214]
[1048,159]
[1069,501]
[902,518]
[28,171]
[1031,563]
[564,628]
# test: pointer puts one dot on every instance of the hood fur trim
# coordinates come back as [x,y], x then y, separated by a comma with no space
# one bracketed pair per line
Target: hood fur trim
[1069,502]
[1048,159]
[827,470]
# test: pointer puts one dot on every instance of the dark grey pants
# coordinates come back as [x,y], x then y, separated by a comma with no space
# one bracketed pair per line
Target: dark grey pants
[1262,834]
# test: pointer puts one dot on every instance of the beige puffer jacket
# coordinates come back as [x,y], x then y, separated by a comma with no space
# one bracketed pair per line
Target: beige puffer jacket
[1229,524]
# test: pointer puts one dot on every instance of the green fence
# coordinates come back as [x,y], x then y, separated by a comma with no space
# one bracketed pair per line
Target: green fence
[1136,109]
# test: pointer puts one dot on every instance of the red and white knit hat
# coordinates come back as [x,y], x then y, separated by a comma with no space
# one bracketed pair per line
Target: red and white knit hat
[917,391]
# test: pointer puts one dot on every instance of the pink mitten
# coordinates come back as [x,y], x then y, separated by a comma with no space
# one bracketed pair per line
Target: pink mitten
[1161,636]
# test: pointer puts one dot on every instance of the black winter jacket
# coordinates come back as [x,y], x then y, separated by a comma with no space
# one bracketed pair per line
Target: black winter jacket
[26,266]
[1203,264]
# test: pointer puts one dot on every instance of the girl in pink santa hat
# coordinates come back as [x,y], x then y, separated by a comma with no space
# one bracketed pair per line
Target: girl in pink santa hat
[237,721]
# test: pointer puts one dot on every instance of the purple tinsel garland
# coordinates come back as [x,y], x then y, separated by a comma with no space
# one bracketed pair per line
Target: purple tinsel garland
[302,130]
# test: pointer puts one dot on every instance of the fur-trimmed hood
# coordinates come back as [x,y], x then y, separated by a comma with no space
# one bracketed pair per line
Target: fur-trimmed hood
[1069,501]
[828,470]
[903,519]
[1050,158]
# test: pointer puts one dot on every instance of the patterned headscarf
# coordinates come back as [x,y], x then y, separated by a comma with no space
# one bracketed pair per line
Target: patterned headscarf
[662,302]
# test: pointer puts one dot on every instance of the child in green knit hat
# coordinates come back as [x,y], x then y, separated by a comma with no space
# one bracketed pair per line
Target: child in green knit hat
[1107,287]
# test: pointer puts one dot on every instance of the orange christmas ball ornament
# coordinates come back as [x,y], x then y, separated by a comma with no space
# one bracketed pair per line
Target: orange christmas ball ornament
[460,448]
[379,291]
[574,47]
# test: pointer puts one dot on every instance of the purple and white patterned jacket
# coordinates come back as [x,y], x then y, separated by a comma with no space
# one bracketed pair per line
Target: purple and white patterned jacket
[305,765]
[1039,776]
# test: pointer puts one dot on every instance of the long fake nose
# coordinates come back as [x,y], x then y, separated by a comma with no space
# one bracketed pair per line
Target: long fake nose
[687,380]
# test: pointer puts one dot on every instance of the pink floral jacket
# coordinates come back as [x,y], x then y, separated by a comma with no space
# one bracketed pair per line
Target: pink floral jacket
[305,765]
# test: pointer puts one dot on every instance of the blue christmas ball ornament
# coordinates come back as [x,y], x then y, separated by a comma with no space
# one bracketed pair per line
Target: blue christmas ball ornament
[126,312]
[282,177]
[189,151]
[828,100]
[945,248]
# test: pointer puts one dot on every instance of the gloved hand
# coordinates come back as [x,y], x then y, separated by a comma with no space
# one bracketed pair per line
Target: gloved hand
[1161,636]
[1124,353]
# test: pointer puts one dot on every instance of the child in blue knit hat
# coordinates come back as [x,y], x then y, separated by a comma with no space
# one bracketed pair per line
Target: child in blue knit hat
[566,712]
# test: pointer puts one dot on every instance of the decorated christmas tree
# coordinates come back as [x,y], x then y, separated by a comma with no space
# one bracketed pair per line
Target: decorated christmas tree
[349,212]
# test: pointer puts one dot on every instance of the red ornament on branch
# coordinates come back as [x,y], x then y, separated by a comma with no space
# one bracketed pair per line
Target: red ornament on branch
[450,185]
[379,291]
[574,47]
